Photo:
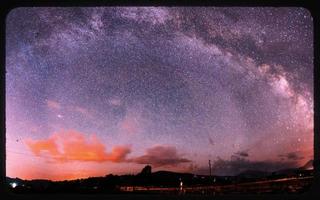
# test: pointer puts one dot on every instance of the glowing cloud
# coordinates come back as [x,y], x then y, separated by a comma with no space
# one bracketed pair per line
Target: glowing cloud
[76,147]
[48,145]
[118,154]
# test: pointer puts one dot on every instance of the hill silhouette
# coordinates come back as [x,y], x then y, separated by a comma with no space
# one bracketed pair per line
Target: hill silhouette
[308,165]
[146,178]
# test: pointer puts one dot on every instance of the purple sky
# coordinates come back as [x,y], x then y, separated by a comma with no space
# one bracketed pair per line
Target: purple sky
[93,91]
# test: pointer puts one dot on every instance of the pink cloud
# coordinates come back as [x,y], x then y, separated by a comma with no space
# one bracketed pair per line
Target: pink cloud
[75,146]
[118,154]
[53,104]
[81,110]
[48,145]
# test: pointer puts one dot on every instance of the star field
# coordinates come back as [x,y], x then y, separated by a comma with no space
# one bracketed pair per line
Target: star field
[110,89]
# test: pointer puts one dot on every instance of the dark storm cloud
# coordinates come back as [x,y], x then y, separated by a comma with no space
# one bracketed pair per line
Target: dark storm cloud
[242,153]
[160,156]
[292,156]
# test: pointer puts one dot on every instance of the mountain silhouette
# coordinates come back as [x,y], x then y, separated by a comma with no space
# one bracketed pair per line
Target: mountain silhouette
[308,165]
[146,178]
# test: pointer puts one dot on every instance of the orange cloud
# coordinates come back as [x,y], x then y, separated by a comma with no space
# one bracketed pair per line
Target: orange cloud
[74,146]
[53,104]
[48,145]
[119,153]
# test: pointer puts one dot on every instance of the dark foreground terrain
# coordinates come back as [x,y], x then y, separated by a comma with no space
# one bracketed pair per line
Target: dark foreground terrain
[165,182]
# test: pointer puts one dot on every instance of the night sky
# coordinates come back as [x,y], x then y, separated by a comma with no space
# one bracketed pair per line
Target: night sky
[94,91]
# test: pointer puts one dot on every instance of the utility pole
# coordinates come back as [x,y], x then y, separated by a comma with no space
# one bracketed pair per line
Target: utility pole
[210,168]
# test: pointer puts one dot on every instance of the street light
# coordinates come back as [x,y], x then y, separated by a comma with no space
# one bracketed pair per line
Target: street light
[13,185]
[181,185]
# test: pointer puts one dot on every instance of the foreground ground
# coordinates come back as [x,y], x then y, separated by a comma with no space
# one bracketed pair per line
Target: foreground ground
[284,185]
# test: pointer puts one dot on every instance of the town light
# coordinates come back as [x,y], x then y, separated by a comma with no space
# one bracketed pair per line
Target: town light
[13,185]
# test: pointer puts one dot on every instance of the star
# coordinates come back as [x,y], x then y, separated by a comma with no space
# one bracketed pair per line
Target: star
[111,89]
